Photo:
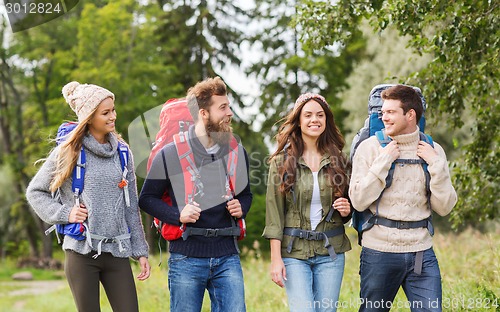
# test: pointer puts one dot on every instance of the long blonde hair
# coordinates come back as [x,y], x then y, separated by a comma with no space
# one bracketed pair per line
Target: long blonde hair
[69,151]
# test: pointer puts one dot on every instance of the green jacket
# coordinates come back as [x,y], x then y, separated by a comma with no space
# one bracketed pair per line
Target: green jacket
[298,211]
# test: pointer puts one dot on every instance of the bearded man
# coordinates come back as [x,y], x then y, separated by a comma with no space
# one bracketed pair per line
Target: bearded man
[206,257]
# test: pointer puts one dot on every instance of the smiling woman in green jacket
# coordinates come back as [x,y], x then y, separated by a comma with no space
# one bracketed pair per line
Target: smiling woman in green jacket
[306,206]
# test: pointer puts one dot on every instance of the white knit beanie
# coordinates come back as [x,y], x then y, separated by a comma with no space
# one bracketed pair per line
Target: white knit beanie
[84,98]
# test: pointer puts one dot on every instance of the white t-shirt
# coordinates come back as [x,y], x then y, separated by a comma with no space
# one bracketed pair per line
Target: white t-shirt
[316,208]
[213,149]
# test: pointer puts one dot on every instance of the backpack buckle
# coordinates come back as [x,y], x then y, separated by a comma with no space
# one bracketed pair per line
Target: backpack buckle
[402,225]
[211,232]
[311,235]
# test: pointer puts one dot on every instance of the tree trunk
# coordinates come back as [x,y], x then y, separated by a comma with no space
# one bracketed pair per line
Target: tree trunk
[12,131]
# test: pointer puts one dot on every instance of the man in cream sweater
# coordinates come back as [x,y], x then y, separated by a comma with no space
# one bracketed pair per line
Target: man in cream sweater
[400,253]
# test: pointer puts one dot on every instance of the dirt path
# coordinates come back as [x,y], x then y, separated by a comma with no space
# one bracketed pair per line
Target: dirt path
[24,288]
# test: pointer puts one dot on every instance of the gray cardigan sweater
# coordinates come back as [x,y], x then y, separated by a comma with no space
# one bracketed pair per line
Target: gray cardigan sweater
[105,201]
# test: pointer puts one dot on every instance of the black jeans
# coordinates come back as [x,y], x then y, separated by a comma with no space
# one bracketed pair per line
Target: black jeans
[84,274]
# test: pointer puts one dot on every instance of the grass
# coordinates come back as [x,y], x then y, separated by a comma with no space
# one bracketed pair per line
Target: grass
[8,268]
[469,261]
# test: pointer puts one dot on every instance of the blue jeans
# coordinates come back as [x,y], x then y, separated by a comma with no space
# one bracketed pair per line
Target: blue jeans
[382,273]
[313,285]
[188,277]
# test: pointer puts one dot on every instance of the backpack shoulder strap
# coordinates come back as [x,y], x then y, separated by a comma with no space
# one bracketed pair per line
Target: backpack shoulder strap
[428,139]
[124,158]
[192,184]
[232,163]
[384,139]
[124,155]
[79,176]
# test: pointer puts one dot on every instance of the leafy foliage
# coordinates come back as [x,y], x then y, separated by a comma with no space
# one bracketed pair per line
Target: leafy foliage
[142,54]
[462,78]
[289,68]
[199,38]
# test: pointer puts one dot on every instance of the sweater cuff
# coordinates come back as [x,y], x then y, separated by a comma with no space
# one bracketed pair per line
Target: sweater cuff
[63,216]
[136,256]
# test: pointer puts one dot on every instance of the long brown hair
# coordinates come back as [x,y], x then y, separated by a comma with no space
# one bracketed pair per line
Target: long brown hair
[289,139]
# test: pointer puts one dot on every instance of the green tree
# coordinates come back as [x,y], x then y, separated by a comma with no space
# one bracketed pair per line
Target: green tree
[14,158]
[117,48]
[288,68]
[200,38]
[388,60]
[463,38]
[142,54]
[112,45]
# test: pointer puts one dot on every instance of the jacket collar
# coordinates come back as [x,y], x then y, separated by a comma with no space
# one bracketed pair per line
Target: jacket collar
[325,160]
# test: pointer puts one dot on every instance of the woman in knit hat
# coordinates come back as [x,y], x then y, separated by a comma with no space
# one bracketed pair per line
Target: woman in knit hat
[306,206]
[107,206]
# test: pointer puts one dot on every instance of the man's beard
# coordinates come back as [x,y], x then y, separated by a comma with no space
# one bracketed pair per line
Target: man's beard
[220,132]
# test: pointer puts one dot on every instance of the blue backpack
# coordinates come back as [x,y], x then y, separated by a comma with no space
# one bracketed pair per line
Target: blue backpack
[78,230]
[363,221]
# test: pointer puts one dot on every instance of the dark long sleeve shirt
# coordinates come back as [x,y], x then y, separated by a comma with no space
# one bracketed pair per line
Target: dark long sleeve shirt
[166,174]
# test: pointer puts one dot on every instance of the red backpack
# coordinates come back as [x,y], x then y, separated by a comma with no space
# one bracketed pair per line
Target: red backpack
[175,120]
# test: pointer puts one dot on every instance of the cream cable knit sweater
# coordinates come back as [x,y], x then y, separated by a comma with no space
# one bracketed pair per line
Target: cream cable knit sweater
[406,198]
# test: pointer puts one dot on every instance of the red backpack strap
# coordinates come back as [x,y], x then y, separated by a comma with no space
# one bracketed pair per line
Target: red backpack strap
[232,162]
[192,183]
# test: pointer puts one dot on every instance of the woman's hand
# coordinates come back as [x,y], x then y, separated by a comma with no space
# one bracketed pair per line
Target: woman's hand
[343,206]
[278,272]
[145,269]
[78,214]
